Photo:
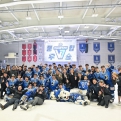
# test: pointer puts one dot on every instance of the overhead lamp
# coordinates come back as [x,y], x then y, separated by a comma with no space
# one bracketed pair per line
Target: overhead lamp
[28,18]
[94,15]
[60,27]
[86,27]
[16,0]
[95,39]
[81,35]
[35,28]
[61,16]
[20,38]
[11,31]
[26,40]
[67,29]
[101,36]
[114,40]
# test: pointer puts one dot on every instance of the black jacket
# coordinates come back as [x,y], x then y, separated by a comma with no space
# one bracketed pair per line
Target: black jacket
[105,91]
[42,96]
[17,94]
[119,80]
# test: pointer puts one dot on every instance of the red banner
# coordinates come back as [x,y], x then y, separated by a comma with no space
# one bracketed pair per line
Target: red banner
[23,58]
[29,58]
[35,58]
[24,46]
[29,46]
[24,52]
[29,52]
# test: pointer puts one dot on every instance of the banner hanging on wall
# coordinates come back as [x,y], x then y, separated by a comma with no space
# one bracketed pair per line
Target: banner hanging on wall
[29,46]
[111,59]
[96,46]
[23,46]
[23,58]
[96,59]
[111,46]
[23,52]
[35,51]
[82,47]
[60,50]
[29,58]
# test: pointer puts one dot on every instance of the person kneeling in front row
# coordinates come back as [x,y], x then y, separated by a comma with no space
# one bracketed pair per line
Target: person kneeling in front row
[38,99]
[104,94]
[16,97]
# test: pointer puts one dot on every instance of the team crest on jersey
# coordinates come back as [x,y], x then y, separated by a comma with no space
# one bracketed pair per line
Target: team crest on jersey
[60,50]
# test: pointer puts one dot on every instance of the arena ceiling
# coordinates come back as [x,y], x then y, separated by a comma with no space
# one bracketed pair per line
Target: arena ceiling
[23,20]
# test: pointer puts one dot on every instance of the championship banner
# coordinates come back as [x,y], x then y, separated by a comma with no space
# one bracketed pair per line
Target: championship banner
[111,59]
[96,59]
[111,46]
[82,47]
[35,58]
[23,58]
[96,46]
[29,52]
[29,46]
[29,58]
[60,50]
[23,46]
[24,52]
[35,51]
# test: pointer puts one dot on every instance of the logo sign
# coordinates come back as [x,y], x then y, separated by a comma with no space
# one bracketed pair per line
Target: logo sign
[35,58]
[49,48]
[96,59]
[82,47]
[111,46]
[23,46]
[29,58]
[96,46]
[111,59]
[23,58]
[60,50]
[29,46]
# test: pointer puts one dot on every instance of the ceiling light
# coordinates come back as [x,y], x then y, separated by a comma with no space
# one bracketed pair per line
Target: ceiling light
[20,38]
[0,21]
[35,29]
[81,35]
[114,40]
[61,17]
[60,27]
[11,31]
[16,0]
[86,27]
[95,39]
[28,18]
[101,36]
[67,31]
[26,40]
[94,15]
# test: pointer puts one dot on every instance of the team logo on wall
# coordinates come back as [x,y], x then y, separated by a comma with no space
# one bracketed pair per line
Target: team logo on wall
[96,59]
[111,46]
[96,46]
[82,47]
[60,50]
[111,59]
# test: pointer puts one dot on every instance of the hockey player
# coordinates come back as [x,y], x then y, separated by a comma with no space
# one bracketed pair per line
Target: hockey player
[105,75]
[53,83]
[35,79]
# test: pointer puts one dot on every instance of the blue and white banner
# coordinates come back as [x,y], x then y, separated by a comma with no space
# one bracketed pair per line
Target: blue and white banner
[96,59]
[111,46]
[82,47]
[60,50]
[96,46]
[111,59]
